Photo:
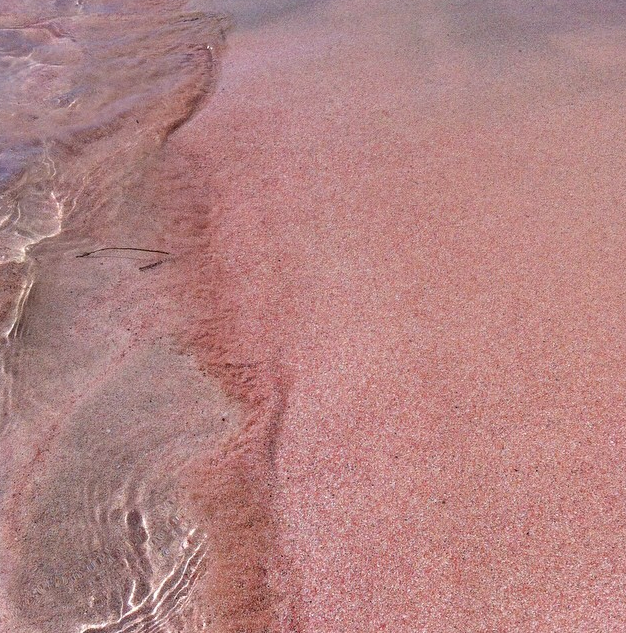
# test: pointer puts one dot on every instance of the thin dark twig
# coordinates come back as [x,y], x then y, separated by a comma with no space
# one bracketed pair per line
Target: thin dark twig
[153,265]
[123,248]
[132,259]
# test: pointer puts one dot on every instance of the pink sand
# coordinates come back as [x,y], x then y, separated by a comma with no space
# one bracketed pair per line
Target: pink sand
[422,228]
[383,368]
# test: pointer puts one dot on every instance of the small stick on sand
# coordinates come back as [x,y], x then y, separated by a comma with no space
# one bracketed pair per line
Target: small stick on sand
[123,248]
[153,265]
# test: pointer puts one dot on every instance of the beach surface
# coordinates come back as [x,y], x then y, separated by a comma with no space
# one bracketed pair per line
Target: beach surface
[376,380]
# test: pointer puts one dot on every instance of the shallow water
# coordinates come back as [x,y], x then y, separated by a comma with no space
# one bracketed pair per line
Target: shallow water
[88,88]
[109,543]
[90,92]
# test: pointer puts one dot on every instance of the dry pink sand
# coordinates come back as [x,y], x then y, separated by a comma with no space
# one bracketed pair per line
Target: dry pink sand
[422,231]
[398,238]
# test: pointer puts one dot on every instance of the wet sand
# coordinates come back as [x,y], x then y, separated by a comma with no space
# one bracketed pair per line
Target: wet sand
[377,384]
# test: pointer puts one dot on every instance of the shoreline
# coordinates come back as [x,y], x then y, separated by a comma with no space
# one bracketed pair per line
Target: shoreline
[113,422]
[377,385]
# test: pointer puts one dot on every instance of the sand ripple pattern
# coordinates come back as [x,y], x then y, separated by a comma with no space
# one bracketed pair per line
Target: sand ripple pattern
[109,540]
[154,613]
